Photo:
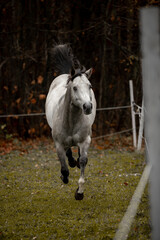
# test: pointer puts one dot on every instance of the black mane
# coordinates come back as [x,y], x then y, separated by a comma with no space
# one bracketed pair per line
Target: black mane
[63,61]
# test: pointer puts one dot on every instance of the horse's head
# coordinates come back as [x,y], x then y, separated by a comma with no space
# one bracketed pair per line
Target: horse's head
[81,91]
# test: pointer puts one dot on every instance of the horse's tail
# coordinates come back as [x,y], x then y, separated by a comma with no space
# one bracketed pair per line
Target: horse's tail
[61,59]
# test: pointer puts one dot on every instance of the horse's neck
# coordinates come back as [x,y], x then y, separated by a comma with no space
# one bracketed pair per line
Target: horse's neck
[71,113]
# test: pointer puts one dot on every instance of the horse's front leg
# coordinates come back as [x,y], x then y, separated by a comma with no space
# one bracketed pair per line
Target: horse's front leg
[82,162]
[64,168]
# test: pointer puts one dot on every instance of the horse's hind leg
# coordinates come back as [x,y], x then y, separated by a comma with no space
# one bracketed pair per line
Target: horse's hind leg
[64,167]
[71,160]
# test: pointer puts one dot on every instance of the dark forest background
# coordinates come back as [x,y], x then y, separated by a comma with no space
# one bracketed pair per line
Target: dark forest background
[103,35]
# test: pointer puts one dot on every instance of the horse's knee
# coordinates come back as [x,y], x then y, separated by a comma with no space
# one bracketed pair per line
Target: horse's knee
[83,161]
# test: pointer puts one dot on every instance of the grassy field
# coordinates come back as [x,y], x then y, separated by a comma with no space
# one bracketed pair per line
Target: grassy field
[35,204]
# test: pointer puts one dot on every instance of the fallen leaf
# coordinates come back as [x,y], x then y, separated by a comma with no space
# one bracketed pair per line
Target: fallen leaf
[33,101]
[18,100]
[125,183]
[42,96]
[33,82]
[40,79]
[6,88]
[31,131]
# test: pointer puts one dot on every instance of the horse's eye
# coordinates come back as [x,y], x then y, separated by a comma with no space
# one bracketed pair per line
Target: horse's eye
[75,89]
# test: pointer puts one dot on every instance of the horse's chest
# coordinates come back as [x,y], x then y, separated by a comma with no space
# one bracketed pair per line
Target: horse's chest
[73,140]
[76,135]
[71,130]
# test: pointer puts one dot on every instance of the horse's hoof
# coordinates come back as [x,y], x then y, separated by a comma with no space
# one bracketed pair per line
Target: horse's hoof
[64,179]
[79,196]
[73,163]
[78,165]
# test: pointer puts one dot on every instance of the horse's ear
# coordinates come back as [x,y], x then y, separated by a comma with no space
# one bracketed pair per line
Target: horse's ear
[89,72]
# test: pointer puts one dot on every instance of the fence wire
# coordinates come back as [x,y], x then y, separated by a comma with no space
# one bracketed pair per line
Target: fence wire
[113,108]
[111,134]
[22,115]
[43,114]
[98,109]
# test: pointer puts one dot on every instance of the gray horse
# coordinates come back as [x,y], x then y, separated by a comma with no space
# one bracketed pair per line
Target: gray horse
[70,111]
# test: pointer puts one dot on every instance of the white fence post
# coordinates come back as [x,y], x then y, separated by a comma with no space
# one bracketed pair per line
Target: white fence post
[140,135]
[150,39]
[133,113]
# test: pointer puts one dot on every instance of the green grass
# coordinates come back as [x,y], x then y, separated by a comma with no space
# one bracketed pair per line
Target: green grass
[35,204]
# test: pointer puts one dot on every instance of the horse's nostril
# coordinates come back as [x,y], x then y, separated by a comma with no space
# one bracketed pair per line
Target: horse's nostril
[84,106]
[87,107]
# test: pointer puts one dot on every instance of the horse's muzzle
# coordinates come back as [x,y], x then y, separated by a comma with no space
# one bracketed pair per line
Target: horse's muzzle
[87,107]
